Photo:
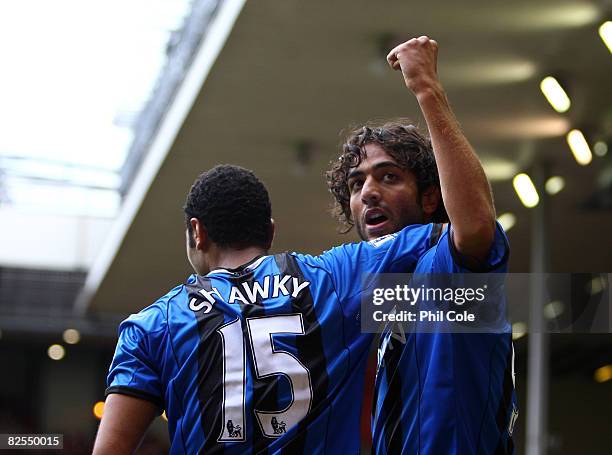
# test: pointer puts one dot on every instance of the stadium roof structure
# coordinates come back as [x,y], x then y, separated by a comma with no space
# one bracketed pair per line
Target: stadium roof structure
[274,84]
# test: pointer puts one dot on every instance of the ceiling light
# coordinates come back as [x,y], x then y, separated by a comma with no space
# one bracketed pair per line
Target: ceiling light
[555,94]
[603,374]
[596,285]
[532,16]
[554,184]
[600,148]
[56,352]
[526,190]
[493,70]
[98,409]
[512,126]
[71,336]
[553,309]
[499,169]
[580,147]
[507,220]
[605,31]
[519,330]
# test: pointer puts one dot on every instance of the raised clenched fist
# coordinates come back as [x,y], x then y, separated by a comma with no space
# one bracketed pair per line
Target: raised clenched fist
[417,60]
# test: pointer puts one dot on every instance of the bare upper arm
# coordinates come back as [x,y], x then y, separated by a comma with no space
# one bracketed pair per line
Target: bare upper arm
[123,424]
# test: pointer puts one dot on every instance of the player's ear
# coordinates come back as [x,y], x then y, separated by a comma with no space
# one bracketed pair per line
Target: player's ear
[430,200]
[200,234]
[271,234]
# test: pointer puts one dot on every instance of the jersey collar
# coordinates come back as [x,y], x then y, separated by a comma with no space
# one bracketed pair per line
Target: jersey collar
[247,267]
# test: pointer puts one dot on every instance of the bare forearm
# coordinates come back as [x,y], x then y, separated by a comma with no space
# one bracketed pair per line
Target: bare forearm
[465,188]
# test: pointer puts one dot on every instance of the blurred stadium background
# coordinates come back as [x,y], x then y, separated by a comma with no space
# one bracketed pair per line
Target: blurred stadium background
[110,110]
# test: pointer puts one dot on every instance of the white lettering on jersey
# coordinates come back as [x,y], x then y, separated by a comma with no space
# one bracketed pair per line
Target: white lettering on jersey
[257,289]
[208,295]
[297,286]
[250,292]
[207,303]
[279,285]
[235,294]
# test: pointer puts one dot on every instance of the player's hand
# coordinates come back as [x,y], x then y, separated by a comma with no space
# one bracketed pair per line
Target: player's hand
[417,60]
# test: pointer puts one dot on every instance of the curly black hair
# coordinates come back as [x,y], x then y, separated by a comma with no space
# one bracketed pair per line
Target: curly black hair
[403,142]
[234,206]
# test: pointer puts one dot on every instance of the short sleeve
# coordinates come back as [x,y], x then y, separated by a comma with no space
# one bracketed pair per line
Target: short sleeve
[134,370]
[446,258]
[443,267]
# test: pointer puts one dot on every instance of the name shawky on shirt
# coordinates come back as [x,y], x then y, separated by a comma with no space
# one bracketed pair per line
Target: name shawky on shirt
[249,292]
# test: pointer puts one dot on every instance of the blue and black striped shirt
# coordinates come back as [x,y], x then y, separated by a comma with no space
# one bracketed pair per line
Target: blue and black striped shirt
[266,358]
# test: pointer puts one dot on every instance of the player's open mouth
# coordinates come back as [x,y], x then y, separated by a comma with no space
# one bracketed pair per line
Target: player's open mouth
[375,218]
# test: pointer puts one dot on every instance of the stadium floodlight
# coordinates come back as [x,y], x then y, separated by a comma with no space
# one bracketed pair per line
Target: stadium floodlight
[554,185]
[507,220]
[519,330]
[526,190]
[56,352]
[71,336]
[605,31]
[580,147]
[554,93]
[98,409]
[603,374]
[600,148]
